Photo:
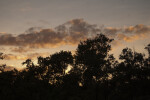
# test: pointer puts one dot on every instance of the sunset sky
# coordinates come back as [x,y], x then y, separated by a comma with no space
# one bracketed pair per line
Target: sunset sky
[32,28]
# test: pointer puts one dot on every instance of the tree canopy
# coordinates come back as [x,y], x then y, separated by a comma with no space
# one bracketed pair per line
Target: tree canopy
[94,74]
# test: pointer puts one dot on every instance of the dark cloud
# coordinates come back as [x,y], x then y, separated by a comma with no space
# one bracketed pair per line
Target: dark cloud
[8,39]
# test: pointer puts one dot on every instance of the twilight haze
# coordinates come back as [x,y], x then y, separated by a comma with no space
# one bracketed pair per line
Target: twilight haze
[32,28]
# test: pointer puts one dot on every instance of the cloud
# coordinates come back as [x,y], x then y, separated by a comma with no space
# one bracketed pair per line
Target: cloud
[21,49]
[131,38]
[137,29]
[77,30]
[70,32]
[14,57]
[133,33]
[8,39]
[111,31]
[33,30]
[24,57]
[128,34]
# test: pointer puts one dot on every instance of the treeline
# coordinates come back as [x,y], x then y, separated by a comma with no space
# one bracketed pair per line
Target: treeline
[90,74]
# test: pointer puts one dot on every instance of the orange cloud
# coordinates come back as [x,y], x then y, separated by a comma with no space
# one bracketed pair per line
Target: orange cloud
[137,29]
[131,38]
[128,34]
[129,29]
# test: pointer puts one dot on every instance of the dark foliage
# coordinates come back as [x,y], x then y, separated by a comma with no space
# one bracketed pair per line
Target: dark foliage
[94,75]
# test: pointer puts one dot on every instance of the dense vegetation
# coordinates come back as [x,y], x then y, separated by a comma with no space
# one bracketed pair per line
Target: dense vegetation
[94,75]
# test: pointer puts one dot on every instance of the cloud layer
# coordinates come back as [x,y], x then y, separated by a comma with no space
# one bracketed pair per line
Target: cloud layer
[70,33]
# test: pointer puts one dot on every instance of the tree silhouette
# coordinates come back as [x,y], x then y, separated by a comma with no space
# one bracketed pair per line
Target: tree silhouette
[129,75]
[90,74]
[148,49]
[2,66]
[92,55]
[60,61]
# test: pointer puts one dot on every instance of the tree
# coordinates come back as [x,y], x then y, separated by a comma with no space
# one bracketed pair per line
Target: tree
[130,77]
[60,61]
[2,66]
[148,49]
[92,56]
[28,63]
[55,66]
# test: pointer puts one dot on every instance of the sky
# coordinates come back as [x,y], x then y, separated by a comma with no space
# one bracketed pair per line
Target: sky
[32,28]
